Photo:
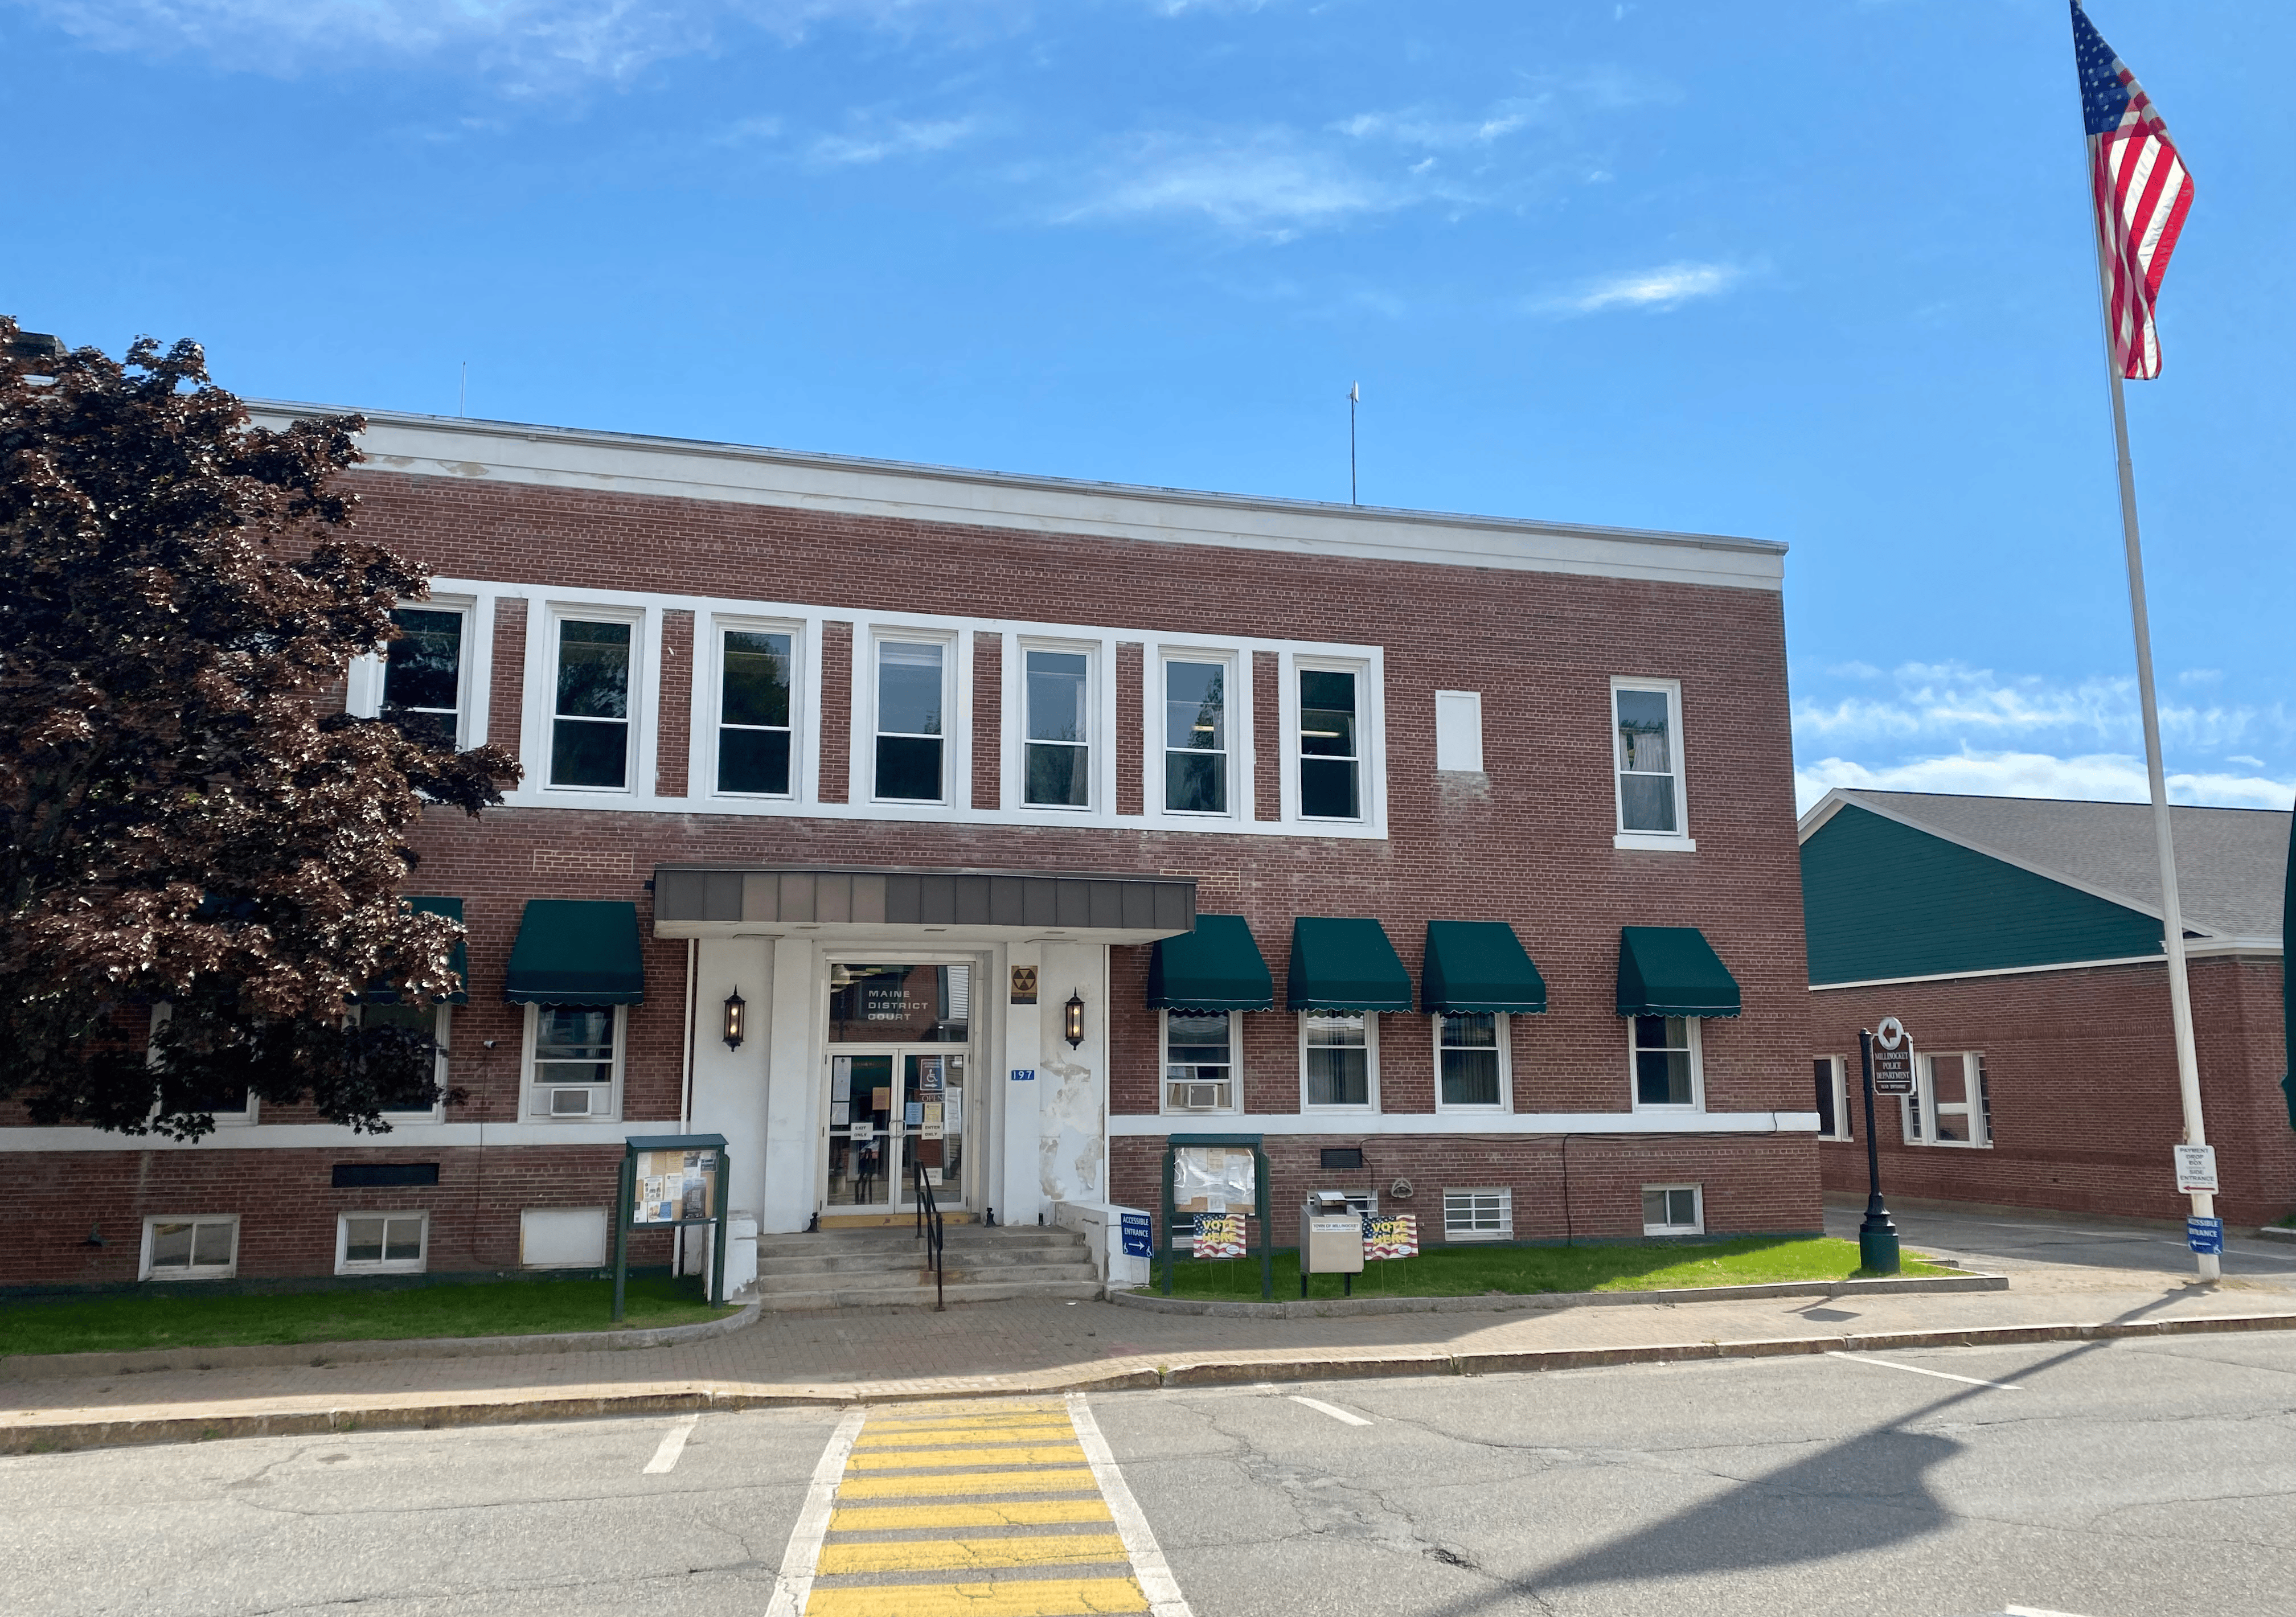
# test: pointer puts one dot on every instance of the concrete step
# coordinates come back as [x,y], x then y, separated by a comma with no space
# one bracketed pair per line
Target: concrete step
[890,1242]
[908,1273]
[921,1295]
[914,1255]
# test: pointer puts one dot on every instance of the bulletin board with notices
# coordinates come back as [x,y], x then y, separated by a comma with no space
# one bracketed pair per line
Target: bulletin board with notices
[671,1181]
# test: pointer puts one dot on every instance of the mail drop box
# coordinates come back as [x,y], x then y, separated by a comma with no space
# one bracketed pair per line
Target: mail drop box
[1331,1235]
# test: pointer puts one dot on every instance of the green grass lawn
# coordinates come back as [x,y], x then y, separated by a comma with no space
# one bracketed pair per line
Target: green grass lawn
[185,1317]
[1465,1271]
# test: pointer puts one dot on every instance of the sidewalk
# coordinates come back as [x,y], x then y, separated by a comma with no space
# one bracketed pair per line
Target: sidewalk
[1028,1347]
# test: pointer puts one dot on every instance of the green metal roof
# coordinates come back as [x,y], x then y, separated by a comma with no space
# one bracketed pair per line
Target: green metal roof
[383,993]
[1215,967]
[577,951]
[1345,963]
[1479,966]
[1672,971]
[1884,899]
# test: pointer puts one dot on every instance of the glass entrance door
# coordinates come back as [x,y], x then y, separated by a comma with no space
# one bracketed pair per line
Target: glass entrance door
[889,1112]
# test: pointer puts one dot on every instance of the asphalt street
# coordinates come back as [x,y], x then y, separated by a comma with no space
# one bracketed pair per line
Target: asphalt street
[2126,1480]
[2008,1241]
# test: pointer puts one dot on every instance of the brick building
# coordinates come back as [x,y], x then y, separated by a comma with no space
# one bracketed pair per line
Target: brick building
[1451,855]
[2019,941]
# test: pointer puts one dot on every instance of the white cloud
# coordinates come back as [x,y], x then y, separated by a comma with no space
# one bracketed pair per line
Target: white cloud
[1265,183]
[897,138]
[1666,287]
[2109,776]
[1952,702]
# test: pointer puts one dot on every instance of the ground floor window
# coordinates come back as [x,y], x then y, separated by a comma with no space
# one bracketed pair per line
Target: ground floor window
[1478,1214]
[1665,1053]
[1337,1058]
[1833,1095]
[1951,1104]
[1471,1058]
[576,1064]
[374,1244]
[1199,1060]
[203,1247]
[1674,1210]
[426,1021]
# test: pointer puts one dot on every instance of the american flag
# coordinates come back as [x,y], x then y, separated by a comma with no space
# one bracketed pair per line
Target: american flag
[2142,194]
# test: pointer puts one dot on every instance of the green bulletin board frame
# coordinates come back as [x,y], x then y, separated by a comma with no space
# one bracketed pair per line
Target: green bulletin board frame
[1172,1144]
[626,1213]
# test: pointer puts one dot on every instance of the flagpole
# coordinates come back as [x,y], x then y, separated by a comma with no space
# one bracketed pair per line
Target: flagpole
[2172,914]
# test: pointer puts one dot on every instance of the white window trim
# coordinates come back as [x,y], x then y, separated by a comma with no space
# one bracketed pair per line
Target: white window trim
[1237,686]
[441,1031]
[708,709]
[1697,1070]
[1972,1109]
[401,1266]
[1681,840]
[1371,774]
[542,697]
[1501,1029]
[1370,1066]
[955,718]
[362,678]
[226,1272]
[531,1085]
[1100,736]
[160,1013]
[1463,700]
[1505,1232]
[1698,1200]
[1234,1068]
[1845,1125]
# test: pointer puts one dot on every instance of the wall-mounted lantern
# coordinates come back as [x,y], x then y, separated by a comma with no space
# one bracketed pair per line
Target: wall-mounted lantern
[1074,1029]
[736,1019]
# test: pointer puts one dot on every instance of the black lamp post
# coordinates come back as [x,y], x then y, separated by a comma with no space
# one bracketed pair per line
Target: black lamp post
[736,1019]
[1877,1237]
[1073,1031]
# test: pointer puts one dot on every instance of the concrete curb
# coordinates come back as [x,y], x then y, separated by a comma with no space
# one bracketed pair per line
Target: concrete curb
[1317,1308]
[66,1367]
[42,1439]
[2277,1232]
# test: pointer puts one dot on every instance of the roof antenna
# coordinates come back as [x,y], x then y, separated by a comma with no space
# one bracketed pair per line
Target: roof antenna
[463,393]
[1354,397]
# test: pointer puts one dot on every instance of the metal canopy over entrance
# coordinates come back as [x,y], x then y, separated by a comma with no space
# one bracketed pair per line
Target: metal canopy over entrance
[849,902]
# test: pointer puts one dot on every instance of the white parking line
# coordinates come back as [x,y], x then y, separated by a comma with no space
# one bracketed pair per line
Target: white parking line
[673,1444]
[794,1587]
[1333,1410]
[2033,1610]
[1891,1364]
[1147,1556]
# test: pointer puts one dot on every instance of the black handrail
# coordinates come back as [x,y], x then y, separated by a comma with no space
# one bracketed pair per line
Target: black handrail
[929,1226]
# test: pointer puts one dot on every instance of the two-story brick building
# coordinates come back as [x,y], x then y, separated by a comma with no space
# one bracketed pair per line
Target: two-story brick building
[1024,823]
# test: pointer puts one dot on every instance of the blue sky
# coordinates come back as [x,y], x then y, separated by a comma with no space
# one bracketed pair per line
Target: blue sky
[1813,270]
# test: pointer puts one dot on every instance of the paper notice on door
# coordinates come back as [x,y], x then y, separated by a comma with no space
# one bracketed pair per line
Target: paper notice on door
[840,1078]
[913,1113]
[864,1129]
[953,1112]
[880,1100]
[840,1113]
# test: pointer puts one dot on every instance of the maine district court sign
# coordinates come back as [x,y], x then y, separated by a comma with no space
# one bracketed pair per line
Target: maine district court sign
[1893,1059]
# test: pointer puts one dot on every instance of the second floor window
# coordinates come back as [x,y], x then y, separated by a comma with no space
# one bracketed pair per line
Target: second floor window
[1648,762]
[423,675]
[1330,765]
[1058,773]
[909,733]
[1665,1061]
[590,724]
[1467,1051]
[1195,737]
[1335,1058]
[753,715]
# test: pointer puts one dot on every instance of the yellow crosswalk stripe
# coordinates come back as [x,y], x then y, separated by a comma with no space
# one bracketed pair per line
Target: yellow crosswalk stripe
[1067,1453]
[940,1435]
[966,1555]
[1047,1479]
[1012,1597]
[1012,1513]
[1002,1417]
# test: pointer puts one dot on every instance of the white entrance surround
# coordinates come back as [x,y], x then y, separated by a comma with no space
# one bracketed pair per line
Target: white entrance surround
[729,1085]
[1023,1050]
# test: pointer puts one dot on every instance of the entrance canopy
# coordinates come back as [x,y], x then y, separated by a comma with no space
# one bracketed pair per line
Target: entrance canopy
[576,951]
[998,906]
[1672,971]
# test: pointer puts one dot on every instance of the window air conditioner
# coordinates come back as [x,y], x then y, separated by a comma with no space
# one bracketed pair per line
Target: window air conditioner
[569,1103]
[1200,1097]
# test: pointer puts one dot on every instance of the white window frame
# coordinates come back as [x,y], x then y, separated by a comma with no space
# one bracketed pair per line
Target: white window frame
[532,1086]
[1099,725]
[1234,753]
[712,706]
[420,1264]
[1844,1125]
[1234,1070]
[1461,713]
[244,1118]
[1369,779]
[442,1028]
[1504,1232]
[225,1271]
[1697,1070]
[1697,1202]
[637,760]
[1680,841]
[1370,1065]
[1503,1032]
[464,607]
[956,763]
[1917,1113]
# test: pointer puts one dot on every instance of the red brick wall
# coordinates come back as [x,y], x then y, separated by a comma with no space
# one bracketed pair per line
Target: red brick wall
[1267,736]
[507,702]
[1130,655]
[676,704]
[988,720]
[836,710]
[2082,1070]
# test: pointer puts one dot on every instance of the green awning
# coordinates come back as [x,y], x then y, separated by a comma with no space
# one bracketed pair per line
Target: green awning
[1672,971]
[1345,963]
[1479,966]
[576,951]
[1217,967]
[383,993]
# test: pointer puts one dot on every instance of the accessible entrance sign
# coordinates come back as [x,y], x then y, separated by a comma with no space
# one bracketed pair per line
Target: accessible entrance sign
[1893,1059]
